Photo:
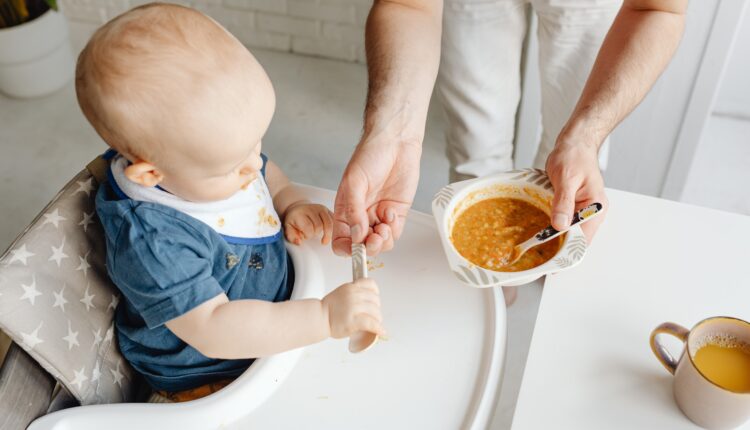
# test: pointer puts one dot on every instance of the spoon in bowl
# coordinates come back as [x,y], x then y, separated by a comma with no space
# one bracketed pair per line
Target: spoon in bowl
[549,233]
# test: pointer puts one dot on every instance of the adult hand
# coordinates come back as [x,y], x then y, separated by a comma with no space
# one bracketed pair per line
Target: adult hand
[375,194]
[573,169]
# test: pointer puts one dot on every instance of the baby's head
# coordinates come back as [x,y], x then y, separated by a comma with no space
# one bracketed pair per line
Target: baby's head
[180,97]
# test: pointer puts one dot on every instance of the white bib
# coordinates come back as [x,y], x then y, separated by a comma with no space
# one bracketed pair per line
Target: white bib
[247,217]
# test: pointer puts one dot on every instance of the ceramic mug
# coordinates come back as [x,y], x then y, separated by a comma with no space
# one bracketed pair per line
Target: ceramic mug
[705,403]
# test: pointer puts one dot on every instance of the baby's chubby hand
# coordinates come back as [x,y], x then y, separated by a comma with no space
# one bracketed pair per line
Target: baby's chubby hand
[354,307]
[305,220]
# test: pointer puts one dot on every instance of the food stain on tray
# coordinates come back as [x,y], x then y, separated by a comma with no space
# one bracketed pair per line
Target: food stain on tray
[374,265]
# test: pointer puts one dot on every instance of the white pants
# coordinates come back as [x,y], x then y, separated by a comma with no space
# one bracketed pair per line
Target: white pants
[479,81]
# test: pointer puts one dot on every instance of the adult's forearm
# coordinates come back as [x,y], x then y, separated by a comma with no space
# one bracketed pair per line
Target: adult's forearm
[637,48]
[403,53]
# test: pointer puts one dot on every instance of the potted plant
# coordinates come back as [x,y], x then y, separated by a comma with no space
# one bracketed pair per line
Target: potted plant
[35,54]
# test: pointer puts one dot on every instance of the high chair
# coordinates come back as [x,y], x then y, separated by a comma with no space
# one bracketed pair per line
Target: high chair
[439,368]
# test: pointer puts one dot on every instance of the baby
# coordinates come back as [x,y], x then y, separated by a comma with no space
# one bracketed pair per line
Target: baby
[193,211]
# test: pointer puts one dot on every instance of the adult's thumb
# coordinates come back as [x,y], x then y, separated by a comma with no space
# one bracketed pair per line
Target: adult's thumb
[563,205]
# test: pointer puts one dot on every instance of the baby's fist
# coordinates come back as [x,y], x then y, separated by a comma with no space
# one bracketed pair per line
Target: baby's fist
[354,307]
[305,220]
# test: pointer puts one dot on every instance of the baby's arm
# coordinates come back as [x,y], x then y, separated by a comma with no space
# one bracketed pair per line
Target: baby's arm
[284,193]
[302,219]
[225,329]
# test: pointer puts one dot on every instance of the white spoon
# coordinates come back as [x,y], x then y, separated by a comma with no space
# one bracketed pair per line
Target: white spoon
[363,340]
[549,233]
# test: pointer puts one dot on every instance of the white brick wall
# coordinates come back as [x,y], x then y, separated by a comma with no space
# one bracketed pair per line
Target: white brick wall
[323,28]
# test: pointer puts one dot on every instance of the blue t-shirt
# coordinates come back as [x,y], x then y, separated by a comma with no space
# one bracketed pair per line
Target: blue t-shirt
[166,263]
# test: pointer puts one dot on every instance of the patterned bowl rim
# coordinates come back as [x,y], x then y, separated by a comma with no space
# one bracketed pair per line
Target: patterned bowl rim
[445,201]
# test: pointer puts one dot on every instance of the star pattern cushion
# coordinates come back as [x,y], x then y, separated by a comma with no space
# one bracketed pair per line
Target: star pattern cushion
[57,302]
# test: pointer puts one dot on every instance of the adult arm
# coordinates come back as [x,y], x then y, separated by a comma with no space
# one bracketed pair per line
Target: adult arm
[402,42]
[638,47]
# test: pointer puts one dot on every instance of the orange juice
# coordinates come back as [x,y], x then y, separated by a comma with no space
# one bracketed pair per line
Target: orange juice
[726,364]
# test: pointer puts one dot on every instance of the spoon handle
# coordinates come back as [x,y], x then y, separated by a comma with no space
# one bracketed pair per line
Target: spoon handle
[363,340]
[359,261]
[550,232]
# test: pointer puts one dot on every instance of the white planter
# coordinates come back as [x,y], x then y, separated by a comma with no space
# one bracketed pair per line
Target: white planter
[35,57]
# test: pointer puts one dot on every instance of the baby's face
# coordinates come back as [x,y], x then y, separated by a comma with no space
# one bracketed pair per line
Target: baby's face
[218,176]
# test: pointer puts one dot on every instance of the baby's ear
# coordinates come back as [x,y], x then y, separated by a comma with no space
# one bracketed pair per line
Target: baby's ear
[144,173]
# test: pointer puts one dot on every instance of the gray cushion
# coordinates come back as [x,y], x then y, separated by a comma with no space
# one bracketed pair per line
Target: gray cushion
[56,300]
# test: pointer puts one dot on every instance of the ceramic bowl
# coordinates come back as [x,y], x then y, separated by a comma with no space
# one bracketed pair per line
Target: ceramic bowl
[531,185]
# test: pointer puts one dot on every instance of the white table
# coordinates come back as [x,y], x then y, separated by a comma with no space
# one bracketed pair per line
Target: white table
[590,365]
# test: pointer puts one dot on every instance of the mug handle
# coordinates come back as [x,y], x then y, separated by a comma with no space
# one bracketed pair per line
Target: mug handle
[660,351]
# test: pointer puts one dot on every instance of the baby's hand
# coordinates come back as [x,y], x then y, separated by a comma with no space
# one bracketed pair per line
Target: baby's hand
[354,307]
[305,220]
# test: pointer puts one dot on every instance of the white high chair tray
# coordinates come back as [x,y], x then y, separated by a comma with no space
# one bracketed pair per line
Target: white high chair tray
[440,367]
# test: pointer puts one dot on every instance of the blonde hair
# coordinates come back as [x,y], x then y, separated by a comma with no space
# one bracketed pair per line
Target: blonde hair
[141,75]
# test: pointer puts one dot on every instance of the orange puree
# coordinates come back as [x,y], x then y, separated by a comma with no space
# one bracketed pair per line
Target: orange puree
[486,232]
